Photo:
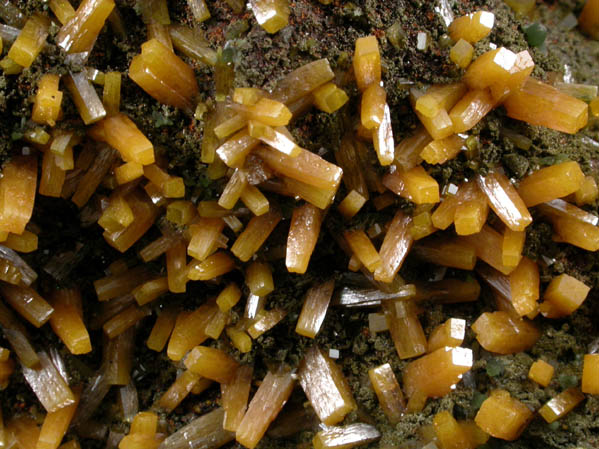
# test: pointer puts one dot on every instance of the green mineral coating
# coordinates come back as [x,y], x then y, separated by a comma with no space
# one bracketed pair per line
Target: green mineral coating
[261,59]
[494,367]
[535,34]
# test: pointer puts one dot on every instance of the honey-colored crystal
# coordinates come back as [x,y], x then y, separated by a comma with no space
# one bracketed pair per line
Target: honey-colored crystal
[461,53]
[213,266]
[382,138]
[524,286]
[144,212]
[438,97]
[255,234]
[488,245]
[550,183]
[501,70]
[388,392]
[447,253]
[62,9]
[345,437]
[46,108]
[67,321]
[502,416]
[576,232]
[161,331]
[422,225]
[211,363]
[325,386]
[302,81]
[450,433]
[26,242]
[265,320]
[302,237]
[204,237]
[451,333]
[171,186]
[27,302]
[228,297]
[258,278]
[314,309]
[373,106]
[111,96]
[470,110]
[588,20]
[405,328]
[363,249]
[472,27]
[123,321]
[415,184]
[189,331]
[541,372]
[588,192]
[541,104]
[30,41]
[235,397]
[407,152]
[395,248]
[561,405]
[435,374]
[440,151]
[80,33]
[440,126]
[564,294]
[239,339]
[513,244]
[471,211]
[351,204]
[590,374]
[17,193]
[178,390]
[121,133]
[505,200]
[264,407]
[329,98]
[367,62]
[163,75]
[499,332]
[55,426]
[307,167]
[272,15]
[444,214]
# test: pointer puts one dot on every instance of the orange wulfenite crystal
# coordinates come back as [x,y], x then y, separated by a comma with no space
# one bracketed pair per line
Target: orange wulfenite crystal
[500,333]
[590,374]
[541,104]
[561,405]
[435,374]
[541,372]
[502,416]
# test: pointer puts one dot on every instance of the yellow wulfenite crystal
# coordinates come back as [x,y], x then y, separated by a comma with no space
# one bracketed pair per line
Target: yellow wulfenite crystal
[46,108]
[472,27]
[272,15]
[563,296]
[80,33]
[164,76]
[30,41]
[590,374]
[561,405]
[541,104]
[550,183]
[589,18]
[367,62]
[502,416]
[541,372]
[325,386]
[435,374]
